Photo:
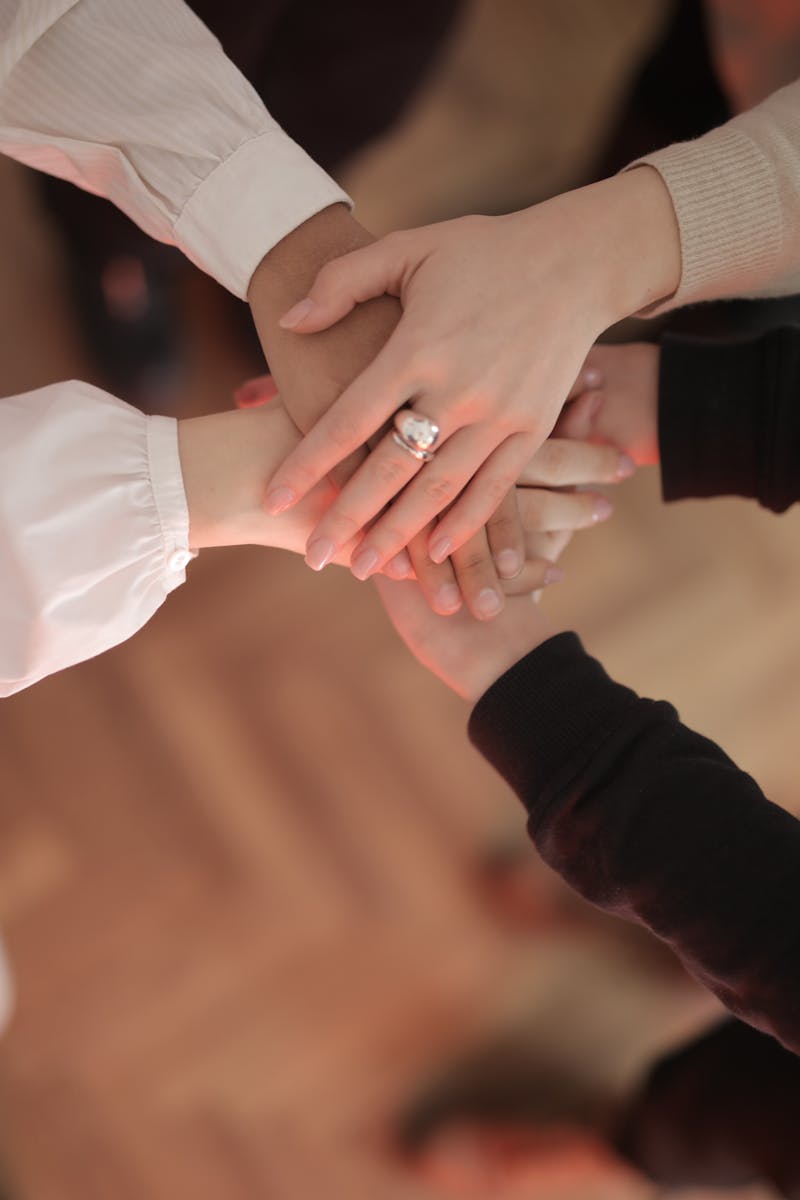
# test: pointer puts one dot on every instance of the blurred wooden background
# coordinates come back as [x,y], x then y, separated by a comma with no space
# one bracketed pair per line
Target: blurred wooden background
[237,854]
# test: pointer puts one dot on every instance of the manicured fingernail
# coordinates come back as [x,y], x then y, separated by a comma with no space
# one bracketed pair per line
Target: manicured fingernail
[625,467]
[488,603]
[319,553]
[364,564]
[508,563]
[399,566]
[602,509]
[448,597]
[279,500]
[553,575]
[441,549]
[592,377]
[295,315]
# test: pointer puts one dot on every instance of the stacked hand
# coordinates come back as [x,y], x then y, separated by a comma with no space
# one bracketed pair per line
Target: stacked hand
[613,403]
[498,315]
[548,516]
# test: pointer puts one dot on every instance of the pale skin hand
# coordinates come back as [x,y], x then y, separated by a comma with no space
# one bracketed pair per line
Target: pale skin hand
[223,459]
[614,400]
[545,514]
[499,314]
[312,372]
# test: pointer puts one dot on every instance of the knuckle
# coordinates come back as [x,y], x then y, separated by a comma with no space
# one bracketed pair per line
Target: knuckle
[439,489]
[498,487]
[554,457]
[391,472]
[473,562]
[342,432]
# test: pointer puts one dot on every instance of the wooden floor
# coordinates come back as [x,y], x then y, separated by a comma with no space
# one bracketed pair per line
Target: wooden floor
[236,854]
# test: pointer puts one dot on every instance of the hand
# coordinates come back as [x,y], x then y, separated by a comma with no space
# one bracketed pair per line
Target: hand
[499,314]
[538,509]
[615,400]
[466,654]
[312,372]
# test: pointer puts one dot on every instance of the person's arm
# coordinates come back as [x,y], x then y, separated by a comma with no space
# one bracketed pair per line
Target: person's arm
[102,508]
[497,313]
[643,817]
[654,823]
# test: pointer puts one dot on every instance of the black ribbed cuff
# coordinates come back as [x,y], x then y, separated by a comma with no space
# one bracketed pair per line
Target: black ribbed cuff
[729,418]
[543,721]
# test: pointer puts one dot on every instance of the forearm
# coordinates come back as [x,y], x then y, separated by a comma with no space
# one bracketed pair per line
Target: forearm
[224,459]
[311,372]
[138,103]
[734,192]
[653,823]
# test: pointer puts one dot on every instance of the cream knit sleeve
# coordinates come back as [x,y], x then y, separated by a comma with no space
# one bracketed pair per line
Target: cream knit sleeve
[736,193]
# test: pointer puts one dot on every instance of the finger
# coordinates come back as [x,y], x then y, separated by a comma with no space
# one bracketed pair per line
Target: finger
[432,489]
[537,573]
[589,378]
[399,567]
[577,417]
[481,497]
[477,577]
[360,410]
[344,282]
[254,392]
[507,537]
[544,510]
[380,477]
[562,463]
[437,580]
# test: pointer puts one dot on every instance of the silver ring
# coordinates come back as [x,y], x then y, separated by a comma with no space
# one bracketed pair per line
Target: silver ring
[418,433]
[422,455]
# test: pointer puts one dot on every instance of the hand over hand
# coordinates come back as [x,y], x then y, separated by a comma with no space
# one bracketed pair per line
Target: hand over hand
[544,512]
[499,313]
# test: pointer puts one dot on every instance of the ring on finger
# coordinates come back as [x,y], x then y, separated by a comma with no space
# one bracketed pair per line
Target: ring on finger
[416,433]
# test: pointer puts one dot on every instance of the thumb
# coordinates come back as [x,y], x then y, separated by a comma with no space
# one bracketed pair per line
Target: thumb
[364,274]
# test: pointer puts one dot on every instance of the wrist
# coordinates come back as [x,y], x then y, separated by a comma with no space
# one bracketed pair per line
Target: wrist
[638,222]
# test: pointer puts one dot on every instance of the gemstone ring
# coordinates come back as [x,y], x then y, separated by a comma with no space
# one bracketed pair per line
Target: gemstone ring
[415,433]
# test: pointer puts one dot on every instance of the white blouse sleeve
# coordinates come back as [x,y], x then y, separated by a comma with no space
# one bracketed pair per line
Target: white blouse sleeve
[136,101]
[94,526]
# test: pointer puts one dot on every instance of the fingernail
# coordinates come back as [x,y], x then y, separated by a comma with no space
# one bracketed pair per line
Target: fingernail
[592,377]
[448,597]
[279,500]
[364,564]
[508,563]
[296,314]
[553,575]
[602,509]
[440,549]
[488,603]
[625,467]
[319,553]
[399,566]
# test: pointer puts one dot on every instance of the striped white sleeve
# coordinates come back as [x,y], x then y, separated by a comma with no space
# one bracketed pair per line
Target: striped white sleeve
[135,100]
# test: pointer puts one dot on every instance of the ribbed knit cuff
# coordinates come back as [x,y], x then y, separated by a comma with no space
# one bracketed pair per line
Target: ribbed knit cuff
[708,412]
[729,418]
[544,720]
[726,202]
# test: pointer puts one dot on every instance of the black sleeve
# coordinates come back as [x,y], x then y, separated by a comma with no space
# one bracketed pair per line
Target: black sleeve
[654,823]
[729,417]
